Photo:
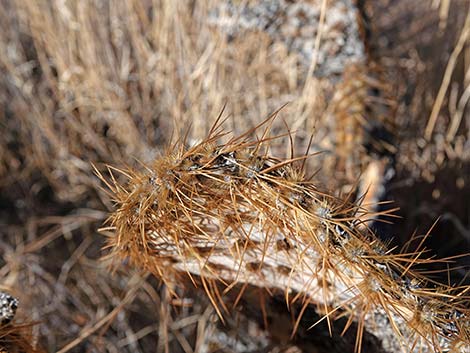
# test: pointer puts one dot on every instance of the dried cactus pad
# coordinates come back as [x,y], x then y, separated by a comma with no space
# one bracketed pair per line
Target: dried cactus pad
[228,213]
[8,306]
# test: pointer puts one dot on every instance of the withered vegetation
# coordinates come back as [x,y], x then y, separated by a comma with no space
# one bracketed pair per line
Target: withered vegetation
[98,83]
[230,213]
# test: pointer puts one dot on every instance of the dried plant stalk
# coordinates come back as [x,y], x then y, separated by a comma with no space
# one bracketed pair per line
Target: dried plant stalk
[229,214]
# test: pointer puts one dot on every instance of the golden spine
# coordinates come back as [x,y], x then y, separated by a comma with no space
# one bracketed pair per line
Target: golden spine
[228,214]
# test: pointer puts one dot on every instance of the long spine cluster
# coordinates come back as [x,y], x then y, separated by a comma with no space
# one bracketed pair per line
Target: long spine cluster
[229,214]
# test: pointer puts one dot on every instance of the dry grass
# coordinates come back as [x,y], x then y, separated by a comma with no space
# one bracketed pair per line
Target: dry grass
[116,78]
[110,82]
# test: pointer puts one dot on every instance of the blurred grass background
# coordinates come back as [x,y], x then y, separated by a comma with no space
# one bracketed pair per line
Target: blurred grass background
[113,82]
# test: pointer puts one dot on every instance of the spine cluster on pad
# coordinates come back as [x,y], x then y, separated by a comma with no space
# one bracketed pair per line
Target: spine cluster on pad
[228,214]
[14,337]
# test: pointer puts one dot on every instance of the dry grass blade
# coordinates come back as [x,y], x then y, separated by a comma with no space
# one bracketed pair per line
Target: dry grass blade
[462,41]
[105,320]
